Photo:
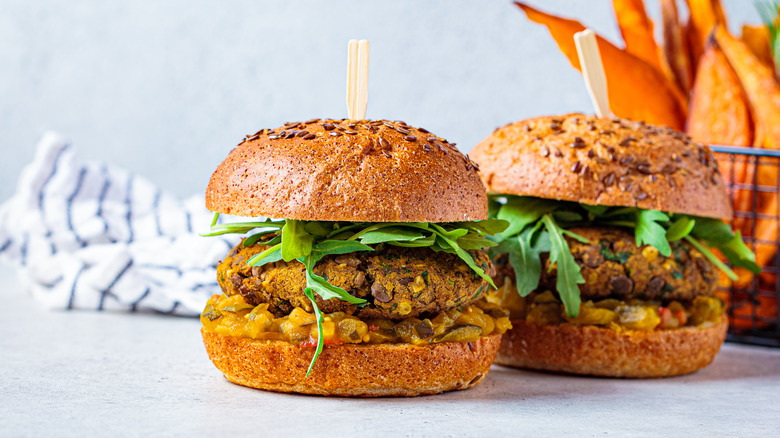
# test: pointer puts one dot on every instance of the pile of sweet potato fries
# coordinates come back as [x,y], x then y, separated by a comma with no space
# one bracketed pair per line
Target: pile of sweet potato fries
[719,89]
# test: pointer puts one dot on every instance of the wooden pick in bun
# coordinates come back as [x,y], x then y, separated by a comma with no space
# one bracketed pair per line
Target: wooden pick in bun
[372,282]
[606,265]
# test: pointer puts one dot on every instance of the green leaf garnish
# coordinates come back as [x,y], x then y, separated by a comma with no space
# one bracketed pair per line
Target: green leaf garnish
[460,252]
[255,238]
[526,215]
[711,257]
[525,257]
[296,242]
[649,232]
[241,227]
[718,234]
[488,226]
[520,212]
[391,234]
[569,275]
[680,228]
[270,255]
[320,340]
[474,241]
[322,287]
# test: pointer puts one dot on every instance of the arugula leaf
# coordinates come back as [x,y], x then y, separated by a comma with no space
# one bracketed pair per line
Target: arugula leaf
[569,275]
[489,226]
[391,234]
[595,211]
[379,226]
[474,241]
[717,234]
[296,242]
[316,228]
[649,231]
[711,257]
[452,234]
[738,254]
[321,286]
[494,205]
[712,231]
[254,238]
[270,255]
[241,227]
[418,243]
[522,211]
[680,228]
[320,339]
[332,247]
[460,252]
[567,216]
[575,236]
[525,258]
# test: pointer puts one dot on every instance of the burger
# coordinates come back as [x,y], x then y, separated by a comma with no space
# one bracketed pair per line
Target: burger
[609,265]
[361,272]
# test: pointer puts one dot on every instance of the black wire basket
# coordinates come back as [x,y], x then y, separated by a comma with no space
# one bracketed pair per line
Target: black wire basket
[752,176]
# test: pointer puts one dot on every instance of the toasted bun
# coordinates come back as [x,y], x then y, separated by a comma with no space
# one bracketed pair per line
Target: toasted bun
[598,351]
[372,370]
[340,170]
[600,161]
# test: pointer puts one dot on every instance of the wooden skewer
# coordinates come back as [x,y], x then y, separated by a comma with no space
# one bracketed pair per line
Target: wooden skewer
[593,71]
[357,79]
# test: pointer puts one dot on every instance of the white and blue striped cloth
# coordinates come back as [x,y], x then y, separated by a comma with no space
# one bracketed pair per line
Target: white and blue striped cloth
[87,235]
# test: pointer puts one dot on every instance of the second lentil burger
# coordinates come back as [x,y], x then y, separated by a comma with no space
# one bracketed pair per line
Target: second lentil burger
[606,265]
[371,282]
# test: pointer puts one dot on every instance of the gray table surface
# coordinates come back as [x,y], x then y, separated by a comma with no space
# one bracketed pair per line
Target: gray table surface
[112,374]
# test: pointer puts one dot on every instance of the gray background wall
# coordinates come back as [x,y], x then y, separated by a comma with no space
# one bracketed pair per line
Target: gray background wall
[167,88]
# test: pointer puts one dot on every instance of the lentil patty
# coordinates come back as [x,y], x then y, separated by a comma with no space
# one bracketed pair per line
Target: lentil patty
[397,282]
[613,267]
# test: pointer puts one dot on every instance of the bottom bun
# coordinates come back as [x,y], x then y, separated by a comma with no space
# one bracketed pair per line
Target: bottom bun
[358,370]
[597,351]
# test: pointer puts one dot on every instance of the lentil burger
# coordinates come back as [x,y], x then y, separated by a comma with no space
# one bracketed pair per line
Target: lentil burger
[372,282]
[606,265]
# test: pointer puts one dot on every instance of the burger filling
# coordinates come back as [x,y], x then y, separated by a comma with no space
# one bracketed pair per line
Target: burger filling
[311,282]
[395,282]
[234,316]
[620,268]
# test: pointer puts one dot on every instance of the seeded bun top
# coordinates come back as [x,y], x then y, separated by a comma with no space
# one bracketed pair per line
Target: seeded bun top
[602,161]
[342,170]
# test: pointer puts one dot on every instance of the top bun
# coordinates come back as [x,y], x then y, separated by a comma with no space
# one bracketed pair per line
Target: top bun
[347,170]
[602,161]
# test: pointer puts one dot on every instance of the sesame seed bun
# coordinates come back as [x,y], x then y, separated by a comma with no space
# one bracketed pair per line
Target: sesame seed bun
[358,370]
[596,351]
[602,161]
[341,170]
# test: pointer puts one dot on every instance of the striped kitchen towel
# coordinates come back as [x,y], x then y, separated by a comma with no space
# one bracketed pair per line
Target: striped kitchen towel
[87,235]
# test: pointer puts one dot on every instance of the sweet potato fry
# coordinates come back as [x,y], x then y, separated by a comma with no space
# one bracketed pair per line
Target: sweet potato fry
[719,112]
[720,15]
[702,21]
[636,28]
[675,45]
[757,39]
[630,80]
[761,87]
[763,94]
